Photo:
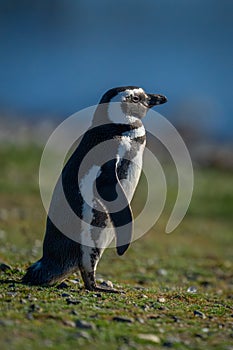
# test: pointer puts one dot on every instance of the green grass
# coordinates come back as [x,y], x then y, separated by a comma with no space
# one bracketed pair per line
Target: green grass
[155,273]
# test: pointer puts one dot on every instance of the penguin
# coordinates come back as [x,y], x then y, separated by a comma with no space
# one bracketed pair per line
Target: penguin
[111,176]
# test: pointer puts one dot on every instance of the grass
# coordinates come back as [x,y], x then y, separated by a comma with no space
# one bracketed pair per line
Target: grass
[158,273]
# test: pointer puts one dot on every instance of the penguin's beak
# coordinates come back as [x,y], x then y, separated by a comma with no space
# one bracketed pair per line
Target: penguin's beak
[154,100]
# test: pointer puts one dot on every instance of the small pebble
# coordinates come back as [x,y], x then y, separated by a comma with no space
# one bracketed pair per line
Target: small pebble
[140,320]
[163,308]
[199,314]
[205,330]
[198,335]
[84,325]
[170,341]
[74,281]
[161,300]
[69,323]
[84,335]
[30,297]
[6,323]
[142,270]
[139,288]
[153,317]
[72,290]
[106,284]
[97,295]
[162,272]
[71,301]
[145,307]
[64,295]
[175,318]
[29,316]
[150,337]
[11,294]
[168,344]
[74,312]
[35,307]
[192,289]
[123,319]
[62,285]
[96,307]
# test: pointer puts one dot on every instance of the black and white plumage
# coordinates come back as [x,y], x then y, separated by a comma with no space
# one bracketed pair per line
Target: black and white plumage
[114,180]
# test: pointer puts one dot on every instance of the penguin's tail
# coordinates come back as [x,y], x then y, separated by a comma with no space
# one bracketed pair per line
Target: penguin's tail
[41,273]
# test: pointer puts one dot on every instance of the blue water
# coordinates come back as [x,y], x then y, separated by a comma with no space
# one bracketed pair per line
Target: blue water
[59,56]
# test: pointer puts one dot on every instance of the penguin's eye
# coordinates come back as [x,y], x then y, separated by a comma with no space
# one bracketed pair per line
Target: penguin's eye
[136,98]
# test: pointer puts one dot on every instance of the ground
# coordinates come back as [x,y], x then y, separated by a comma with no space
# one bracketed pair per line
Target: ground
[177,287]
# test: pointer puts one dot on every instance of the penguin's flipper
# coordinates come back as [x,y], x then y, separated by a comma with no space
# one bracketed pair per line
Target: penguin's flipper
[123,224]
[115,200]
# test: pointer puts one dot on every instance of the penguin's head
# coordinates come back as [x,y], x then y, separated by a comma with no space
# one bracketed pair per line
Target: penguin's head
[134,101]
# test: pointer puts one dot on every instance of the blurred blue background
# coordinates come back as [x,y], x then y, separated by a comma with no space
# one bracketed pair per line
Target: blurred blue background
[58,56]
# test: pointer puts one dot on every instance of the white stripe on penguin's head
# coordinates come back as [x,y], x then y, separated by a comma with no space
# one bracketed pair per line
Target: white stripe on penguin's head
[127,103]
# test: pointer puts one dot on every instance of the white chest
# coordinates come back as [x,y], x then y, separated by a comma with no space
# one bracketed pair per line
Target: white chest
[127,151]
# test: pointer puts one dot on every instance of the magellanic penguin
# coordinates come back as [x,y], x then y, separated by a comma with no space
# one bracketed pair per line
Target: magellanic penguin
[104,180]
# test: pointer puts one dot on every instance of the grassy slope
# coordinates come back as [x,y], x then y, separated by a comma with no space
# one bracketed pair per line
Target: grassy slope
[155,274]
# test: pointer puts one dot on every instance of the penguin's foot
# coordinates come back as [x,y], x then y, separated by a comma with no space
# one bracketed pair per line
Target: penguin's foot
[91,285]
